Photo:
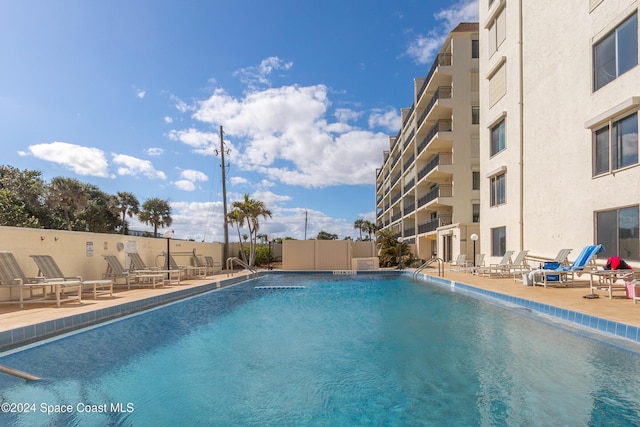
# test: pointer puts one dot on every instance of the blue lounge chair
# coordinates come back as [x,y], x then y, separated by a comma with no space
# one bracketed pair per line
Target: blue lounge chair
[565,274]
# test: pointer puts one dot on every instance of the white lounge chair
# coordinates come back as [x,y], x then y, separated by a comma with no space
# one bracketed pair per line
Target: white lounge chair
[116,271]
[498,268]
[48,268]
[13,278]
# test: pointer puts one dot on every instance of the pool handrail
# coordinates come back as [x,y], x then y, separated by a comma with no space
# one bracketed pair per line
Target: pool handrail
[427,263]
[241,263]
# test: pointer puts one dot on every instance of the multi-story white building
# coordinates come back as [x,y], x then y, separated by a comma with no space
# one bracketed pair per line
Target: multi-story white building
[559,97]
[427,190]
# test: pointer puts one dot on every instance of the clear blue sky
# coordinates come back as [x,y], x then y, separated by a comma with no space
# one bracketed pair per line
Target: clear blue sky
[129,95]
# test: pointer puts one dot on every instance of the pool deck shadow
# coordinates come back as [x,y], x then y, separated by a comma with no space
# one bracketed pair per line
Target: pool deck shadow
[40,321]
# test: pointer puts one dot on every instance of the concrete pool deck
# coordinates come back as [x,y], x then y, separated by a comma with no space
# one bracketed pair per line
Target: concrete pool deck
[38,321]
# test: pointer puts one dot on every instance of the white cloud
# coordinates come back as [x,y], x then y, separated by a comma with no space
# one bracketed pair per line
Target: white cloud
[284,134]
[346,114]
[424,47]
[185,184]
[168,119]
[389,119]
[140,94]
[193,175]
[238,180]
[85,161]
[155,151]
[201,142]
[252,76]
[133,166]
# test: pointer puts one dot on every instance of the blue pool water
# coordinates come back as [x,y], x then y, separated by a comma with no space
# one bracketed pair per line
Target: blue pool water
[355,350]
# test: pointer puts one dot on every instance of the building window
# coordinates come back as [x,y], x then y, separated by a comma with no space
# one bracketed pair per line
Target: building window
[475,115]
[475,180]
[616,53]
[617,231]
[498,138]
[616,145]
[498,241]
[476,212]
[475,48]
[498,190]
[497,32]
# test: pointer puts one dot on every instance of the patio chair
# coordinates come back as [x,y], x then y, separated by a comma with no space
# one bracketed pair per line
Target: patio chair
[459,263]
[213,265]
[498,268]
[519,266]
[197,262]
[563,257]
[566,274]
[12,277]
[116,271]
[187,270]
[48,268]
[138,266]
[479,263]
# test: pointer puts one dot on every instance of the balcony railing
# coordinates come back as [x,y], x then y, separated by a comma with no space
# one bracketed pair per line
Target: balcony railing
[433,224]
[396,198]
[409,232]
[396,216]
[408,139]
[443,92]
[396,178]
[443,125]
[409,209]
[441,60]
[409,161]
[435,161]
[409,185]
[434,193]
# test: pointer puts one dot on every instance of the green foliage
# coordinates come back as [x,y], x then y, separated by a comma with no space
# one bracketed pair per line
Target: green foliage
[66,203]
[156,212]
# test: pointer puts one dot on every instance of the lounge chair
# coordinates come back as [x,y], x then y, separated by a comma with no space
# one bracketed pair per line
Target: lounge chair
[139,267]
[479,263]
[214,266]
[565,274]
[12,277]
[499,268]
[48,268]
[116,271]
[460,263]
[563,257]
[519,266]
[197,262]
[187,270]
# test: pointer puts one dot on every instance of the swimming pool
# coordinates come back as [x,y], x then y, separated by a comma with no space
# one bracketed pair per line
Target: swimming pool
[354,350]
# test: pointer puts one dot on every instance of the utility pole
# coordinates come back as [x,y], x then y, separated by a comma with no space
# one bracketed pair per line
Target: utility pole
[225,251]
[305,224]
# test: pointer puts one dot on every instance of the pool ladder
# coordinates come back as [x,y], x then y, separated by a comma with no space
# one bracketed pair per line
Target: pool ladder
[430,261]
[241,263]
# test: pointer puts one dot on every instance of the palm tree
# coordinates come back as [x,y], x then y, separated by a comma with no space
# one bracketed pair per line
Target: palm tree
[390,251]
[236,218]
[156,212]
[369,228]
[358,224]
[249,211]
[67,195]
[128,205]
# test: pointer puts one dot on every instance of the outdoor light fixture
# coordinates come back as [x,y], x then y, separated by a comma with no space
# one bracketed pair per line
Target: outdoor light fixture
[400,240]
[168,235]
[474,237]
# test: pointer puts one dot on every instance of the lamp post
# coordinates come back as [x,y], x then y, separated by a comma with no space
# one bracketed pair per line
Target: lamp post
[474,237]
[168,235]
[400,239]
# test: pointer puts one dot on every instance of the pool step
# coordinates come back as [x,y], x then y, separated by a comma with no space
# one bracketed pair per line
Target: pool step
[279,287]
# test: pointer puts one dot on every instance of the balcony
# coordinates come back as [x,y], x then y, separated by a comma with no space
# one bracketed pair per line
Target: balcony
[443,92]
[433,224]
[443,59]
[409,209]
[437,160]
[409,185]
[435,193]
[409,161]
[440,126]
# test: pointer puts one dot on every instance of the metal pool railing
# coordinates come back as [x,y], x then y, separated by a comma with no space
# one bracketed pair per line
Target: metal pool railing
[430,261]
